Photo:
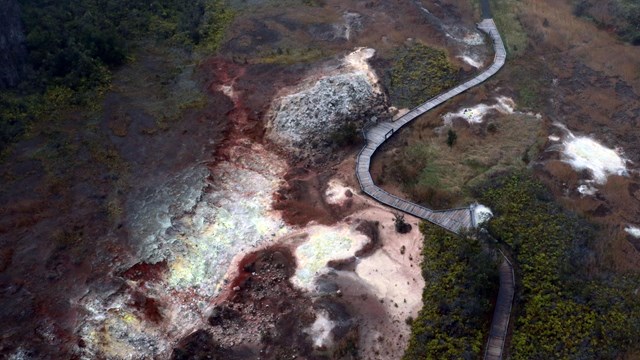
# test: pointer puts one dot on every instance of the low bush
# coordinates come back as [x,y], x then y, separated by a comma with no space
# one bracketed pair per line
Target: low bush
[419,73]
[460,280]
[564,313]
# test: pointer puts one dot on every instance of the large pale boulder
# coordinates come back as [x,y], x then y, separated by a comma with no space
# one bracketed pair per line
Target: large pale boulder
[307,121]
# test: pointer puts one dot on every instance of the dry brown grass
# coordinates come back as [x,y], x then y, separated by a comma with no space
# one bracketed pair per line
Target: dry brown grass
[615,251]
[580,38]
[589,62]
[119,124]
[561,170]
[476,155]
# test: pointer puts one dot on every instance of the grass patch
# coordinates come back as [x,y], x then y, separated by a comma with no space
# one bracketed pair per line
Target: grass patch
[418,173]
[430,172]
[531,81]
[506,16]
[288,56]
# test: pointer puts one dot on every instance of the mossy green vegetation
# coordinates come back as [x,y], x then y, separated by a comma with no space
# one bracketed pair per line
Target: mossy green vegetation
[460,280]
[418,73]
[288,56]
[21,114]
[217,17]
[564,313]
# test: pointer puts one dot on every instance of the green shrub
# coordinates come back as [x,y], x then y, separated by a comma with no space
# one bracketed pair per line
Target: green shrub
[347,134]
[564,314]
[419,73]
[452,137]
[460,279]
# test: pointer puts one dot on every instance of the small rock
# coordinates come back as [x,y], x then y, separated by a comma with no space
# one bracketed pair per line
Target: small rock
[236,288]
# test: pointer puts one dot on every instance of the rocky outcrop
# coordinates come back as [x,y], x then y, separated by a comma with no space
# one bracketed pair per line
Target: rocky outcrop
[12,44]
[309,121]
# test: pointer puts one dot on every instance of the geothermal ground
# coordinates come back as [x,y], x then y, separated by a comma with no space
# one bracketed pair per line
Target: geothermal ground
[217,215]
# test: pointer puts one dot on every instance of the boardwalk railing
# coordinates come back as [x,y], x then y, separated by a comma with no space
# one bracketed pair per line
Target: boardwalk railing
[388,134]
[454,220]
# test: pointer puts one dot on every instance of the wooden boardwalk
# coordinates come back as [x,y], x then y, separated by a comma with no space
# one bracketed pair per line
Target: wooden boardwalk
[454,220]
[500,322]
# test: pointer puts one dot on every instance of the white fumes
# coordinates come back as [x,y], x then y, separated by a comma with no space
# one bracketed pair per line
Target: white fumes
[481,214]
[476,114]
[633,231]
[584,153]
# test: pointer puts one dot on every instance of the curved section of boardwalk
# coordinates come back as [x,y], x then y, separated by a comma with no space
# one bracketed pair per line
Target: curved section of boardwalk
[453,220]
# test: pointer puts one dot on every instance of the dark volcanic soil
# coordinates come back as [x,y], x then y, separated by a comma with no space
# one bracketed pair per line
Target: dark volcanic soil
[262,316]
